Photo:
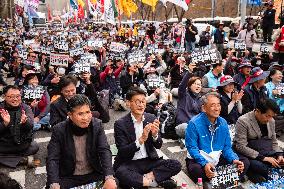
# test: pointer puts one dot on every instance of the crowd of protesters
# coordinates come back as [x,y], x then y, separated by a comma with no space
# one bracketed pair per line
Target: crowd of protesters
[141,68]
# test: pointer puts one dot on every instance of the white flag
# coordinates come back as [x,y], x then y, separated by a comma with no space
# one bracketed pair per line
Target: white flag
[109,14]
[180,3]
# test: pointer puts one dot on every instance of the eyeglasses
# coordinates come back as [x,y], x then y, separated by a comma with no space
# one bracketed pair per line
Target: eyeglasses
[14,97]
[138,102]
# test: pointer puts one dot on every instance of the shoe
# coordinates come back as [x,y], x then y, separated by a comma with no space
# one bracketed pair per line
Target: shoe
[168,184]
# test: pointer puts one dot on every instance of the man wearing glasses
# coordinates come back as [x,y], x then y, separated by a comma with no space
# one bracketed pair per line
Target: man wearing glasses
[137,137]
[16,126]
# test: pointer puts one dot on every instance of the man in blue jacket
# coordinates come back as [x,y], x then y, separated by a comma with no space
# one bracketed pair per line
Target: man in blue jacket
[208,141]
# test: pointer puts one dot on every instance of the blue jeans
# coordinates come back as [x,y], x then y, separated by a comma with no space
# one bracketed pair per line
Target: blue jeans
[42,121]
[189,46]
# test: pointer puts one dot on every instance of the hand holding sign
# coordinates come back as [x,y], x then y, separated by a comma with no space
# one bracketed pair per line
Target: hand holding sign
[209,170]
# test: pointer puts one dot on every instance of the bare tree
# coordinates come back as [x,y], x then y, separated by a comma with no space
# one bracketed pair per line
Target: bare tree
[179,12]
[5,8]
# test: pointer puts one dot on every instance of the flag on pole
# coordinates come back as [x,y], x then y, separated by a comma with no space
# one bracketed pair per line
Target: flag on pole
[152,3]
[81,3]
[187,1]
[180,3]
[93,2]
[81,13]
[103,6]
[113,4]
[74,5]
[49,16]
[109,13]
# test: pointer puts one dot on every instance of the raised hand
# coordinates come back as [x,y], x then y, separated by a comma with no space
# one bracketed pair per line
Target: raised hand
[5,116]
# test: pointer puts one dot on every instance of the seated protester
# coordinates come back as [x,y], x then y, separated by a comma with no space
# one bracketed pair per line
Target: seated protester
[52,80]
[23,72]
[263,60]
[204,154]
[256,139]
[67,86]
[243,75]
[188,104]
[231,64]
[137,137]
[211,80]
[230,99]
[255,90]
[16,128]
[156,63]
[275,80]
[40,107]
[109,78]
[132,76]
[78,152]
[176,75]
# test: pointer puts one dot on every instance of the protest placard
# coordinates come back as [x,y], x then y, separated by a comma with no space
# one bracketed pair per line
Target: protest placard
[280,89]
[29,62]
[264,48]
[136,56]
[226,176]
[118,47]
[61,45]
[94,185]
[33,93]
[59,60]
[115,55]
[76,52]
[205,56]
[240,45]
[83,65]
[95,43]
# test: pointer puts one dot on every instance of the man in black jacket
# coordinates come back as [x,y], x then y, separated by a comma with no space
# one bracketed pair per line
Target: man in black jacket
[190,33]
[268,22]
[16,128]
[137,137]
[67,86]
[78,152]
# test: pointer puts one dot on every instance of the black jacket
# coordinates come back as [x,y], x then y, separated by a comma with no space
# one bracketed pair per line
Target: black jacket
[233,116]
[61,151]
[124,134]
[127,80]
[190,36]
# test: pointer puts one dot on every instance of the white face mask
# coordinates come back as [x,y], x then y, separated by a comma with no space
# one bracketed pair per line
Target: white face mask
[258,62]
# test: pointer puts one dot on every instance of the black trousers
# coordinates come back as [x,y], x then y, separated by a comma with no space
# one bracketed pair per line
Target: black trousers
[195,170]
[267,33]
[77,180]
[130,174]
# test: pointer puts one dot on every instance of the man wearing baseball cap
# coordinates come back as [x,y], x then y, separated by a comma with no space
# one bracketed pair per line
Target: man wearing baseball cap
[255,91]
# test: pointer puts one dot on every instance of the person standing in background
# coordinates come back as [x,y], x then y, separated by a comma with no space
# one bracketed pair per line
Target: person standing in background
[268,22]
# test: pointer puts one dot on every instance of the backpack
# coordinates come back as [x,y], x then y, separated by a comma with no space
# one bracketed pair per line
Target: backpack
[167,119]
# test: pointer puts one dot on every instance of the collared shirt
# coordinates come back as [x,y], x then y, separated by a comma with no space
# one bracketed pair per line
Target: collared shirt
[138,132]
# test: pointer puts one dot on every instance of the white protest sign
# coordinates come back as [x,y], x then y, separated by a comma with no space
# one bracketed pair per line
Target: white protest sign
[59,60]
[280,89]
[29,62]
[93,185]
[117,47]
[226,176]
[240,45]
[29,42]
[61,45]
[95,43]
[33,92]
[264,48]
[76,52]
[136,57]
[205,56]
[82,66]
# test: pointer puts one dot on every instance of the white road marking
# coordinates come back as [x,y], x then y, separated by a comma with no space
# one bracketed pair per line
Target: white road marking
[176,149]
[19,176]
[42,140]
[40,170]
[110,131]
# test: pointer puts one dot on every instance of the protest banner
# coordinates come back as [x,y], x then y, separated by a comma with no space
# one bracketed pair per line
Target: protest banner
[226,176]
[59,60]
[33,93]
[94,185]
[83,65]
[205,56]
[264,48]
[118,47]
[61,45]
[280,89]
[96,43]
[115,56]
[29,62]
[240,45]
[76,52]
[136,57]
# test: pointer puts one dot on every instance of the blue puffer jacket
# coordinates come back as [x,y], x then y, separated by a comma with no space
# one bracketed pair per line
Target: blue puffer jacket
[198,137]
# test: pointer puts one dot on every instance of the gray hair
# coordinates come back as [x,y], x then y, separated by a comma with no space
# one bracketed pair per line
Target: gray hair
[204,98]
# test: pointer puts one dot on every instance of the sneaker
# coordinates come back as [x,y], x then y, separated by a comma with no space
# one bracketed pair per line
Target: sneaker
[168,184]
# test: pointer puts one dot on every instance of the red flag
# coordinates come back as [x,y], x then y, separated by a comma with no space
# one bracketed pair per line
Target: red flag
[81,13]
[187,1]
[49,16]
[102,6]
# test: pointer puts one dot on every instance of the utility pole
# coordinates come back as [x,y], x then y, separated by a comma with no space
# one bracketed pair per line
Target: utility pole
[213,8]
[243,11]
